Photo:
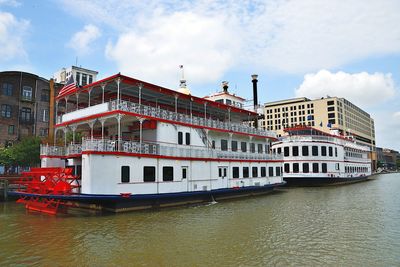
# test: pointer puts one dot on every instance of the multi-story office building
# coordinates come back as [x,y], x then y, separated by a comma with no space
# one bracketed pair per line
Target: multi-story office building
[81,76]
[25,106]
[323,114]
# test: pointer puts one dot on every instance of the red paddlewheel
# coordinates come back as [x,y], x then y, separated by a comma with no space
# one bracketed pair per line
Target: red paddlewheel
[46,184]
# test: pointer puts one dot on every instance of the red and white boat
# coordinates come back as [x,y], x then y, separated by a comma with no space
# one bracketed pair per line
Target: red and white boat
[129,144]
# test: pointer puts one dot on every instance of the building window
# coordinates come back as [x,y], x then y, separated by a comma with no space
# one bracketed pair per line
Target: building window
[7,89]
[331,108]
[254,172]
[26,114]
[286,151]
[323,151]
[263,171]
[331,115]
[315,168]
[45,115]
[168,174]
[224,145]
[235,172]
[125,174]
[271,171]
[6,111]
[43,132]
[245,172]
[187,139]
[295,151]
[27,93]
[234,145]
[149,174]
[304,151]
[180,138]
[305,168]
[295,167]
[324,168]
[315,150]
[330,149]
[287,167]
[331,102]
[11,129]
[332,121]
[243,146]
[45,95]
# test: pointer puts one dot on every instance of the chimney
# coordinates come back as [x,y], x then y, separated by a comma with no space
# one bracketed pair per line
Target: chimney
[255,98]
[225,86]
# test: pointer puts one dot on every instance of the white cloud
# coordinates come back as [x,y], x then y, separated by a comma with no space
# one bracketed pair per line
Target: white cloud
[82,40]
[13,3]
[396,116]
[154,52]
[12,33]
[363,89]
[290,36]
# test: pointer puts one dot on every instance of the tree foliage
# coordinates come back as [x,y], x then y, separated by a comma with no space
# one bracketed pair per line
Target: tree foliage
[25,153]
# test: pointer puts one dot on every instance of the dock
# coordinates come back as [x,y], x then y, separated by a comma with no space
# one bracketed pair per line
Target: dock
[7,183]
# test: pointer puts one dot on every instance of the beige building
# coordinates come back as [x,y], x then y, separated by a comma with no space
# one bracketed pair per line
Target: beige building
[324,114]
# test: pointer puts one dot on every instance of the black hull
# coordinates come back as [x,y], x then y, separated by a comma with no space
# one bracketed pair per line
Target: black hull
[322,181]
[118,203]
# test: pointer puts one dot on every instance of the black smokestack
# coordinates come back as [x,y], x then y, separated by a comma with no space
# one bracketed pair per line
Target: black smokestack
[255,98]
[225,86]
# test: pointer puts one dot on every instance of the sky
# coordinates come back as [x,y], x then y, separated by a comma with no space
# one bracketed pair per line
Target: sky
[299,48]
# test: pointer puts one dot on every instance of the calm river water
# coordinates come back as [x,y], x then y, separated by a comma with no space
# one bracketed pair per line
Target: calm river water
[351,225]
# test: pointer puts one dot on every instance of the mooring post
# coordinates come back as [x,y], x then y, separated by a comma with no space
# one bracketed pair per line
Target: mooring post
[5,189]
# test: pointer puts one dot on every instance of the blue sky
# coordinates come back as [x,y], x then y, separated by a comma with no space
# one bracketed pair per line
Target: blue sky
[306,48]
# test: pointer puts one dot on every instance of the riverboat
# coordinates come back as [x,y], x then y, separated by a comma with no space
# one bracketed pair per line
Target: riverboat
[315,158]
[129,144]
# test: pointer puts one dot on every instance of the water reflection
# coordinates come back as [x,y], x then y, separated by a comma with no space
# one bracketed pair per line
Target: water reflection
[352,225]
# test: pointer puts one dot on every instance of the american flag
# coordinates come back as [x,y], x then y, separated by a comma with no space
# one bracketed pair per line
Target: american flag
[69,86]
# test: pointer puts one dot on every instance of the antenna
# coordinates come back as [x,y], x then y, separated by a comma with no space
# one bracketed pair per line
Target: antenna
[183,72]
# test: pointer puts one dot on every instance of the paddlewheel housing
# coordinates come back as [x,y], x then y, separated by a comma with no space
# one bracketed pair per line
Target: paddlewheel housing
[42,188]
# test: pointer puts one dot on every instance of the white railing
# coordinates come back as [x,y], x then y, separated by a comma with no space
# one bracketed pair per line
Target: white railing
[170,115]
[74,149]
[172,151]
[52,150]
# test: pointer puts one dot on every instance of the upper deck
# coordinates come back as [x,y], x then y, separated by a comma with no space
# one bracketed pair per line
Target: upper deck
[120,94]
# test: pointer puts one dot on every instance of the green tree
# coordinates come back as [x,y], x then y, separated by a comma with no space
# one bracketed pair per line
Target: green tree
[27,152]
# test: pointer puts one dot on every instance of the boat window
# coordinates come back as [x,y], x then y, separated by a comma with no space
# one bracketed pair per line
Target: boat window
[263,171]
[180,138]
[337,167]
[315,150]
[323,150]
[335,151]
[271,171]
[295,167]
[243,146]
[287,168]
[304,151]
[260,148]
[213,144]
[254,171]
[286,151]
[306,168]
[245,172]
[234,145]
[279,150]
[235,172]
[330,151]
[125,174]
[295,151]
[252,147]
[184,172]
[149,174]
[324,168]
[168,173]
[187,139]
[315,168]
[224,144]
[278,171]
